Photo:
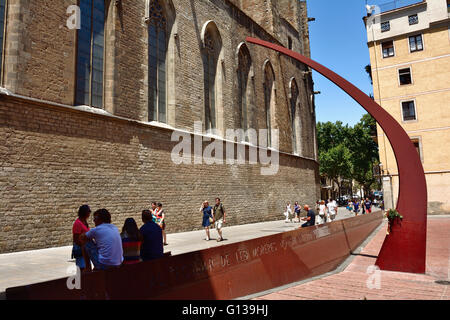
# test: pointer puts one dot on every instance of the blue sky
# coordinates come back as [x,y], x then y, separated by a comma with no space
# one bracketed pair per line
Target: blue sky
[339,42]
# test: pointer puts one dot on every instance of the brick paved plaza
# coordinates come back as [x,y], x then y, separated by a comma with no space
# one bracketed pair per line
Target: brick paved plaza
[351,282]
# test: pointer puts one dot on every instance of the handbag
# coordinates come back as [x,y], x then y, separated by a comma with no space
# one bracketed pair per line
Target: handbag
[211,220]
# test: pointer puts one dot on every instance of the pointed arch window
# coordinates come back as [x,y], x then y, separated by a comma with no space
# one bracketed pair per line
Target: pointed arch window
[3,4]
[293,105]
[90,53]
[269,96]
[244,63]
[157,55]
[209,67]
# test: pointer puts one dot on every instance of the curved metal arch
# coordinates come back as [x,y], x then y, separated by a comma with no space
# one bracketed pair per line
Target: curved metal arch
[405,248]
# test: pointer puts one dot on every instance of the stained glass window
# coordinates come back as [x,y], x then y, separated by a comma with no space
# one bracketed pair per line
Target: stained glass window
[209,66]
[293,103]
[243,73]
[2,30]
[90,53]
[157,52]
[268,97]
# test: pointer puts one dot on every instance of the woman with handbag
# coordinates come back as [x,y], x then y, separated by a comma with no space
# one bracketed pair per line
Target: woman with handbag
[208,217]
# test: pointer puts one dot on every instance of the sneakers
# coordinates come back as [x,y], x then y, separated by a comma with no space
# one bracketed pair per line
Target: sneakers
[220,239]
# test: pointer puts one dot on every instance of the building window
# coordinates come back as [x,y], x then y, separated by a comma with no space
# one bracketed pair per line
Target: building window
[388,49]
[413,19]
[2,33]
[409,110]
[405,76]
[269,99]
[415,43]
[210,67]
[244,65]
[294,103]
[90,53]
[417,145]
[157,51]
[385,26]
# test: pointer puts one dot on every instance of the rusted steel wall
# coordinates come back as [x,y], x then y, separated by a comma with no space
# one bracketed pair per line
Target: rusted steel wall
[223,272]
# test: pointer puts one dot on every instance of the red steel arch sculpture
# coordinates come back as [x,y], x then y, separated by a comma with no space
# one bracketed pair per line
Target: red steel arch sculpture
[404,249]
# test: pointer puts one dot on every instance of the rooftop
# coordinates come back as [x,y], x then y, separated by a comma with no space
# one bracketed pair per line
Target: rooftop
[398,4]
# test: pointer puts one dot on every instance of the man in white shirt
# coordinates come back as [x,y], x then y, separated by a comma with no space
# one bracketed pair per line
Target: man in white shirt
[332,208]
[107,239]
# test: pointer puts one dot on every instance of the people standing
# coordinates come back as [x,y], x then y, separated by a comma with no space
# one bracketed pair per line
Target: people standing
[208,218]
[131,242]
[153,210]
[310,217]
[107,239]
[79,227]
[219,217]
[332,208]
[297,210]
[152,239]
[322,213]
[160,220]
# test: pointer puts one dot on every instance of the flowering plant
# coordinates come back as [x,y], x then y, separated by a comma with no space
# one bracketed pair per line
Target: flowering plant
[392,215]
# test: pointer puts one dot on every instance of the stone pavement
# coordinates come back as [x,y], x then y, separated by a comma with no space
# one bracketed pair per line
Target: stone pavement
[351,282]
[34,266]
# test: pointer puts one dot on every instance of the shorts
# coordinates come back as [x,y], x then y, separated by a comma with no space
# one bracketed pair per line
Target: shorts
[219,224]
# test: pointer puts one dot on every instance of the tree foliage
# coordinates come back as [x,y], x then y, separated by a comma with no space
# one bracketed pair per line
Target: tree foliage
[348,153]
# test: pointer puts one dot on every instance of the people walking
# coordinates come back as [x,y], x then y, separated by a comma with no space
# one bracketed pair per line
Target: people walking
[332,208]
[322,213]
[368,206]
[356,206]
[297,210]
[208,218]
[288,212]
[219,218]
[350,206]
[131,242]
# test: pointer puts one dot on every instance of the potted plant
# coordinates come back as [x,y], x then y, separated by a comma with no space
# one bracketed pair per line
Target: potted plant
[392,215]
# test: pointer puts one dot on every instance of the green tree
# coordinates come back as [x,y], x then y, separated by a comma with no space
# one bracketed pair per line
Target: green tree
[349,153]
[336,164]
